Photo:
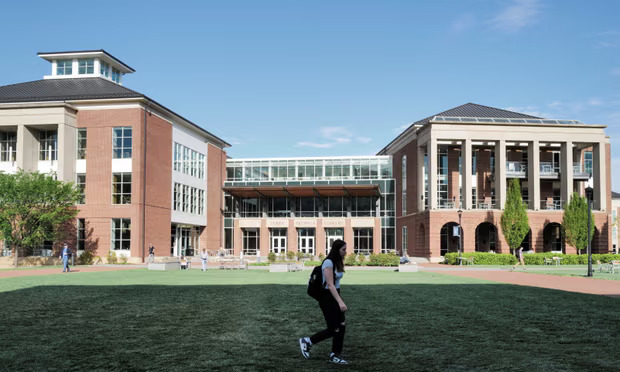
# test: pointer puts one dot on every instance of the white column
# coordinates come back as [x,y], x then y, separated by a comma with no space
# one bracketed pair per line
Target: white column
[420,178]
[566,171]
[533,174]
[599,181]
[500,174]
[432,173]
[466,153]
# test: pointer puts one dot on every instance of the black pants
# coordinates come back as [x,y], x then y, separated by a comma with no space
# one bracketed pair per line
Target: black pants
[335,323]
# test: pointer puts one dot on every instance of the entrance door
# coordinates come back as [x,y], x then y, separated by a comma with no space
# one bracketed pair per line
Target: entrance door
[278,241]
[185,240]
[306,240]
[330,236]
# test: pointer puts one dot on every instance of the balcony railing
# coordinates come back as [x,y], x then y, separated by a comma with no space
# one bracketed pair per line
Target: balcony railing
[516,168]
[487,203]
[580,171]
[548,169]
[554,205]
[446,204]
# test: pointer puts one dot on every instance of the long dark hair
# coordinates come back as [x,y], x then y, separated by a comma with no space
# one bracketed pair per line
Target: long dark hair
[334,254]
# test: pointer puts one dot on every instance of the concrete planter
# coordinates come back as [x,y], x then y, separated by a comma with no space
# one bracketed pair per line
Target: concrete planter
[408,268]
[165,266]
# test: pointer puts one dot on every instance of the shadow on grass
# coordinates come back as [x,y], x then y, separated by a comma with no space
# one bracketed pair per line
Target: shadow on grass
[240,327]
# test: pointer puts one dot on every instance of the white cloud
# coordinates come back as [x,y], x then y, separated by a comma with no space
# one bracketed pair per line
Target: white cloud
[519,14]
[594,102]
[364,139]
[607,39]
[463,22]
[329,132]
[316,145]
[615,71]
[556,104]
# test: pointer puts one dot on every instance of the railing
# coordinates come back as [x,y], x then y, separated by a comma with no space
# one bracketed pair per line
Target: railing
[516,168]
[547,168]
[446,204]
[486,204]
[579,170]
[555,205]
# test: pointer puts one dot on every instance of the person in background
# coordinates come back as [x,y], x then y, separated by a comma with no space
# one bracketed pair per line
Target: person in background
[151,253]
[520,259]
[204,257]
[331,304]
[64,255]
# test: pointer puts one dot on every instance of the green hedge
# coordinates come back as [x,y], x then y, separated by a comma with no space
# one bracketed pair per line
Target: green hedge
[482,258]
[381,259]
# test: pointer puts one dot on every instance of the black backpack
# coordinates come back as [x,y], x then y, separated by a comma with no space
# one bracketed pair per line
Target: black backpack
[315,283]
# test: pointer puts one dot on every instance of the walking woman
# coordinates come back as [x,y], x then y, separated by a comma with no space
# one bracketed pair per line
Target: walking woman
[331,304]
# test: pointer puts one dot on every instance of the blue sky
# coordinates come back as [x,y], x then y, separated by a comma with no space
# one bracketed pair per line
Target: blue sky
[327,78]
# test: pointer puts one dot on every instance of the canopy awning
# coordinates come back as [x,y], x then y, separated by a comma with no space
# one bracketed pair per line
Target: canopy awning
[302,191]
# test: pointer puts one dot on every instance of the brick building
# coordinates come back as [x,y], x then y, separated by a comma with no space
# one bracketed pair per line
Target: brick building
[455,166]
[148,175]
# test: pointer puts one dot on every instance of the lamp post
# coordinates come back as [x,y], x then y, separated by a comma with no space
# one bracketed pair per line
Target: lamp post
[460,212]
[589,195]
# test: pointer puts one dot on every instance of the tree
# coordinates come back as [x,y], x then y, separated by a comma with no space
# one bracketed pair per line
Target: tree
[33,208]
[514,221]
[575,222]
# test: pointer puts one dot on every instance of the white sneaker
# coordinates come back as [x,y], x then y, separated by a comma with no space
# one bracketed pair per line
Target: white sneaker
[304,345]
[336,359]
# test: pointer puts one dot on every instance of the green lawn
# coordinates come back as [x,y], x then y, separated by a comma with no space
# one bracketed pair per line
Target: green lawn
[250,320]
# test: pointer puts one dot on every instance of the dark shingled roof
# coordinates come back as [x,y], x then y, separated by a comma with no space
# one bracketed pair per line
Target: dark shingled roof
[64,90]
[615,195]
[469,110]
[75,89]
[472,110]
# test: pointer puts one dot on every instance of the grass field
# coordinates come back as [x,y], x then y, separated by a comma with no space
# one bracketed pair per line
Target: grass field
[251,320]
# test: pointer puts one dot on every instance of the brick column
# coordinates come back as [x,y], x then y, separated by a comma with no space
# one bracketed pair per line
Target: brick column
[420,176]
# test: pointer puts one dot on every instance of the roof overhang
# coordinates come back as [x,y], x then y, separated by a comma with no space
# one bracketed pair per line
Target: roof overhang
[303,191]
[105,56]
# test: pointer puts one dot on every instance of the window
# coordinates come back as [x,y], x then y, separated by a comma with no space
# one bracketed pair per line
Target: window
[81,185]
[362,241]
[363,206]
[201,202]
[278,207]
[64,67]
[186,160]
[587,158]
[81,234]
[250,207]
[104,69]
[251,241]
[48,144]
[121,143]
[176,205]
[121,188]
[404,184]
[8,146]
[86,66]
[185,198]
[333,206]
[6,249]
[81,143]
[121,234]
[177,156]
[116,75]
[306,207]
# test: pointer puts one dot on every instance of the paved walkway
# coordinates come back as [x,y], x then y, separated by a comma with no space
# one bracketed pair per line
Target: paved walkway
[520,277]
[74,269]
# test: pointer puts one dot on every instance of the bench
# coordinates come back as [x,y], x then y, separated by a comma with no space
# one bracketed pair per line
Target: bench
[233,264]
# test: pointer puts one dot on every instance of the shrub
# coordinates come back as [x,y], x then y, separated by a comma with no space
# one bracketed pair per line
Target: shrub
[313,263]
[86,258]
[111,257]
[271,257]
[290,255]
[383,259]
[321,257]
[483,258]
[122,259]
[361,260]
[349,259]
[98,260]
